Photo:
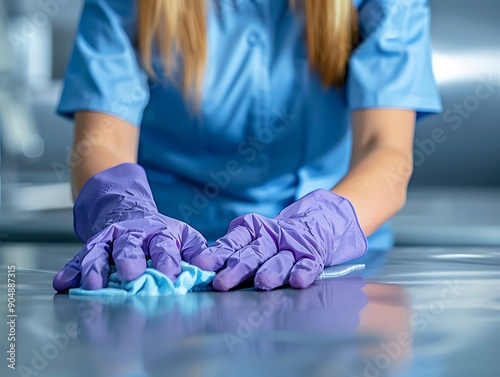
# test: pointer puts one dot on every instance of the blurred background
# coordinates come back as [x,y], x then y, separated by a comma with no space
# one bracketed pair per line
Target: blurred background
[454,197]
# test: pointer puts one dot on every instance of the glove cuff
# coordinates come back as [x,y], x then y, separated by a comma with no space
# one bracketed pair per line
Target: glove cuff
[345,240]
[353,243]
[106,197]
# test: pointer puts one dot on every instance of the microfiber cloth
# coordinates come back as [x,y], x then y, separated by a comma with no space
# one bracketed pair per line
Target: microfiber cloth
[338,271]
[154,283]
[191,278]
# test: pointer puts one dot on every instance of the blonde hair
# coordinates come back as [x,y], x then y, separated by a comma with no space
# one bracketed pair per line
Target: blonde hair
[178,28]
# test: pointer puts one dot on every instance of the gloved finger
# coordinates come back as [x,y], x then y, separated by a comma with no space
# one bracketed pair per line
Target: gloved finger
[165,255]
[275,272]
[304,273]
[68,277]
[244,263]
[214,258]
[128,255]
[95,265]
[192,244]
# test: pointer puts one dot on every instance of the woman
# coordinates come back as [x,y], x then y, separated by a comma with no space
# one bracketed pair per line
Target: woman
[290,121]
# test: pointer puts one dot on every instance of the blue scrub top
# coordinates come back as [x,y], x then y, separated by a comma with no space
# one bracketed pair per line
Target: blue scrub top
[267,131]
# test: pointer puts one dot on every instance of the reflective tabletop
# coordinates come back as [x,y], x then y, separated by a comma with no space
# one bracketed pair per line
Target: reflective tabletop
[411,312]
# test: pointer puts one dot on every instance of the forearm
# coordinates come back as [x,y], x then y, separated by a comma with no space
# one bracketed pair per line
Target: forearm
[381,165]
[376,186]
[101,141]
[100,159]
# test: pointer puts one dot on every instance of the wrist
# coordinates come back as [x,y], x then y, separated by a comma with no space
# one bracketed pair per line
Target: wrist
[349,241]
[107,195]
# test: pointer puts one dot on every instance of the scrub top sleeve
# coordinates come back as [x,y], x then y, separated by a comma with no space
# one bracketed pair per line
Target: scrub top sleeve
[392,66]
[104,73]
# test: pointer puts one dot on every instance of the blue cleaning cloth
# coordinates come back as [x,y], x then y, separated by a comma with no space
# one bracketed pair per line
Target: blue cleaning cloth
[154,283]
[338,271]
[191,278]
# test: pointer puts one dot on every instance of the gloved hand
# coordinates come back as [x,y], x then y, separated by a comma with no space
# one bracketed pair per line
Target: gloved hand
[115,214]
[321,229]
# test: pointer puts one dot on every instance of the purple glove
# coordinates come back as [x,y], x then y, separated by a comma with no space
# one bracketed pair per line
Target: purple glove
[116,216]
[321,229]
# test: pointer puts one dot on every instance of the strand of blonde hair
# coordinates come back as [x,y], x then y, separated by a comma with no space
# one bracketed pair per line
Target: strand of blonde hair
[178,28]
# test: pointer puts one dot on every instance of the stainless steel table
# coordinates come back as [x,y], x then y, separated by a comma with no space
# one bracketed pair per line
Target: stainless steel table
[411,312]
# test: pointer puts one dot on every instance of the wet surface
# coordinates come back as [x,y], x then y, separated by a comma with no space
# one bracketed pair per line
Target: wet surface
[411,312]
